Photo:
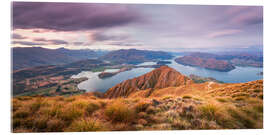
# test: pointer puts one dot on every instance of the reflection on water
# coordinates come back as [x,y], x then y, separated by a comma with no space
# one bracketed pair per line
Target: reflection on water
[94,83]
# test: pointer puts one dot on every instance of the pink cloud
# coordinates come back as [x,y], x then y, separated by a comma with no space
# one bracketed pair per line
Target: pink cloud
[223,33]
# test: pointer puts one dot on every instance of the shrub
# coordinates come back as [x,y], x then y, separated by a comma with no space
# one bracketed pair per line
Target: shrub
[83,125]
[55,125]
[151,110]
[258,108]
[16,123]
[166,97]
[222,100]
[241,98]
[91,107]
[80,104]
[257,90]
[102,103]
[119,112]
[180,124]
[21,114]
[69,99]
[23,98]
[209,111]
[141,106]
[56,110]
[245,120]
[187,97]
[40,124]
[261,96]
[142,121]
[70,113]
[15,106]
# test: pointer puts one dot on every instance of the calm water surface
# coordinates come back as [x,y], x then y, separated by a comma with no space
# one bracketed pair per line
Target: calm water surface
[94,83]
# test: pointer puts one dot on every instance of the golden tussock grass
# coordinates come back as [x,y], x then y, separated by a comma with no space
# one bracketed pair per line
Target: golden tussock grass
[237,107]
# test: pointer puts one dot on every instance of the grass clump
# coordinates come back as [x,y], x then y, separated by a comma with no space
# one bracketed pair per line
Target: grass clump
[120,112]
[91,107]
[166,97]
[222,100]
[240,117]
[80,104]
[21,114]
[257,90]
[55,125]
[209,111]
[40,124]
[141,106]
[83,125]
[187,97]
[70,113]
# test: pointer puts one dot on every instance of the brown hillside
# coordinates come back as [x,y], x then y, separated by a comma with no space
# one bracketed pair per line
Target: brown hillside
[157,79]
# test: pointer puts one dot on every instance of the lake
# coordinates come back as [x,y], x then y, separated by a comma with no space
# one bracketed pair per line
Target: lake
[94,83]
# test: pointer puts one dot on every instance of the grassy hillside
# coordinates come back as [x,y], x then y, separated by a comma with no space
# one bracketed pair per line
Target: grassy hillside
[198,106]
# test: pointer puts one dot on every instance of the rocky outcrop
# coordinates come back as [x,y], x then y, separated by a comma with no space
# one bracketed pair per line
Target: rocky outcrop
[159,78]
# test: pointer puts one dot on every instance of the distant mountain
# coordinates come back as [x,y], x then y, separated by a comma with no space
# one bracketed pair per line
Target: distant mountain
[37,56]
[209,63]
[159,78]
[133,56]
[223,61]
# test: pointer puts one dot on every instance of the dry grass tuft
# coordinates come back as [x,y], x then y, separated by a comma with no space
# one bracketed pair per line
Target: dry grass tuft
[83,125]
[120,112]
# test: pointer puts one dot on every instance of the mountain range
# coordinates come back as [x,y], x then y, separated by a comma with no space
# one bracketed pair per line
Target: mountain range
[134,56]
[221,62]
[25,57]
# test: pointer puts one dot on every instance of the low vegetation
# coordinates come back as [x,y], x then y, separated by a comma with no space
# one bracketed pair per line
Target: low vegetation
[87,113]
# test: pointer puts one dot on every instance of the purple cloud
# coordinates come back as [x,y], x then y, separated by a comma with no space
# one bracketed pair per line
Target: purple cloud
[54,41]
[245,15]
[103,37]
[17,36]
[77,43]
[222,33]
[26,43]
[71,16]
[58,42]
[40,39]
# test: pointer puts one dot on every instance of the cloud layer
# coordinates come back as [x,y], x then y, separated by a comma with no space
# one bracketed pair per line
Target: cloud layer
[116,26]
[69,16]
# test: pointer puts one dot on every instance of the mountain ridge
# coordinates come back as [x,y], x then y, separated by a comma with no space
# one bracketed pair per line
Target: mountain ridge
[158,78]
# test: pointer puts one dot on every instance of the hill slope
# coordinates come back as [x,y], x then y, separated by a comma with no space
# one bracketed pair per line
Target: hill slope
[159,78]
[196,106]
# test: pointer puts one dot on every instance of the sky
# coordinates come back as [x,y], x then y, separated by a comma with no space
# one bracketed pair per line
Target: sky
[125,26]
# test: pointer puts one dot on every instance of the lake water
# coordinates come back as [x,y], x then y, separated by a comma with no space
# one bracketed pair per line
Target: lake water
[94,83]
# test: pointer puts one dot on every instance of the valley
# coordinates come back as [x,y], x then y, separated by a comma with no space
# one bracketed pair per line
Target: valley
[162,99]
[151,94]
